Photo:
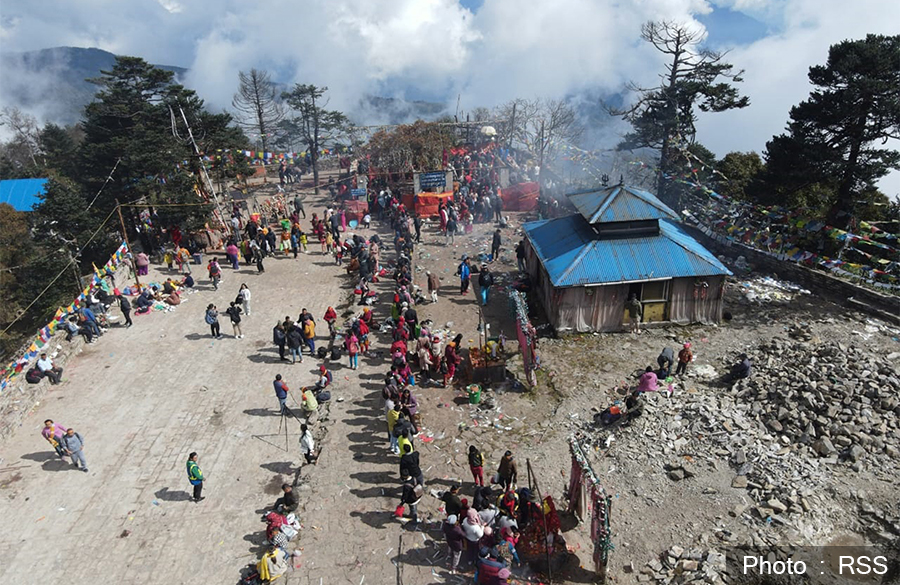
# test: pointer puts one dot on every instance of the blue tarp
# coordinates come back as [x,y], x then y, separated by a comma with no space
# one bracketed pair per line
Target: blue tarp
[22,194]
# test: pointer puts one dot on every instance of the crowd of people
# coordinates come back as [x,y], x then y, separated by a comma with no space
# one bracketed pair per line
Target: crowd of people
[483,535]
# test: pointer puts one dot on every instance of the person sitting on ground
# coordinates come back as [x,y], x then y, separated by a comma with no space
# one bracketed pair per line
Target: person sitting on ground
[73,329]
[741,369]
[49,370]
[325,378]
[648,381]
[288,502]
[272,565]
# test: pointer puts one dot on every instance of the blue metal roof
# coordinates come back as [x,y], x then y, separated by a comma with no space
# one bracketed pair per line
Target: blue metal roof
[22,194]
[573,255]
[619,203]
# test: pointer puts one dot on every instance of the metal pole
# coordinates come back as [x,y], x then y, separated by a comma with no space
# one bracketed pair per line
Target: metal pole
[137,280]
[203,172]
[78,280]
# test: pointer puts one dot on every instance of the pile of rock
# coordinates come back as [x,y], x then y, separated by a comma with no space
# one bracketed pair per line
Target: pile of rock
[829,400]
[678,565]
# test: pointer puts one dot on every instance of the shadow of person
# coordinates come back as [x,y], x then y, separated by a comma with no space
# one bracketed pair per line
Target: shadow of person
[169,496]
[375,519]
[41,456]
[58,465]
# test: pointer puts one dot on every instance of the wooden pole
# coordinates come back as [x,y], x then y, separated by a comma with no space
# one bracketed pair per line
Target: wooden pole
[137,279]
[533,478]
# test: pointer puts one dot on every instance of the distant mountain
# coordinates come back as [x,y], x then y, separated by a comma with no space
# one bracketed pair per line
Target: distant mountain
[52,82]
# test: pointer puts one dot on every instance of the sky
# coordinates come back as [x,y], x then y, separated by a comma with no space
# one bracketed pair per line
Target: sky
[483,52]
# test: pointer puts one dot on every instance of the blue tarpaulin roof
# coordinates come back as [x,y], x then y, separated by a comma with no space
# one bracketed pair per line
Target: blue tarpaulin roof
[573,255]
[22,194]
[619,203]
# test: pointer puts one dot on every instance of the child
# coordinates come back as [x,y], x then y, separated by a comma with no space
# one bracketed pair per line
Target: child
[685,356]
[303,241]
[169,258]
[367,220]
[339,255]
[476,464]
[353,350]
[329,242]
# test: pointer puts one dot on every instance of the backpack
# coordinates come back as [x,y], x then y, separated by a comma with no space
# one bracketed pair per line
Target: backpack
[322,352]
[209,319]
[33,376]
[323,396]
[335,353]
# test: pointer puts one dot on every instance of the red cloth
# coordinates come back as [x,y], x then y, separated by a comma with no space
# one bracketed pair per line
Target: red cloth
[520,197]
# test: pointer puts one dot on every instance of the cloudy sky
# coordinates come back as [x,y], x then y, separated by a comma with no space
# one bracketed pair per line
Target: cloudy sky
[486,51]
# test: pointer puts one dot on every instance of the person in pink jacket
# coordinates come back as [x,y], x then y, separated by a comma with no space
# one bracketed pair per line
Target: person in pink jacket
[54,432]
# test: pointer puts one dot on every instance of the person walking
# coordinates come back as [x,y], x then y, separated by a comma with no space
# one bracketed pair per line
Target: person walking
[520,255]
[485,281]
[685,356]
[281,393]
[73,444]
[450,234]
[125,307]
[476,465]
[464,271]
[298,206]
[195,477]
[635,309]
[496,242]
[307,444]
[279,338]
[234,313]
[54,434]
[434,284]
[215,273]
[508,471]
[244,295]
[212,319]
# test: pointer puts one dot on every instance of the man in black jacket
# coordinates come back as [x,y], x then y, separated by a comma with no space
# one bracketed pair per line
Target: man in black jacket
[125,306]
[452,503]
[496,242]
[409,465]
[412,493]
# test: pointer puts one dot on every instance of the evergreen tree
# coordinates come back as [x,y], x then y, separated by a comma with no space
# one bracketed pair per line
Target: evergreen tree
[833,138]
[663,116]
[315,125]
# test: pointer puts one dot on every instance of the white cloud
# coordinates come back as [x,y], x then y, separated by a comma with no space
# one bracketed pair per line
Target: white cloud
[777,66]
[508,48]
